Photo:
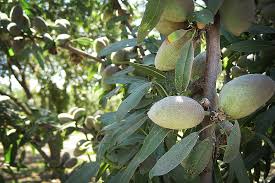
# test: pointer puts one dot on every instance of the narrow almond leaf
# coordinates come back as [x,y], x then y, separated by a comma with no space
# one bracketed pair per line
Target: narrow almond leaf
[239,169]
[175,155]
[38,55]
[214,5]
[151,17]
[233,144]
[198,159]
[150,144]
[250,46]
[84,173]
[83,41]
[205,16]
[129,130]
[132,101]
[148,70]
[118,46]
[184,67]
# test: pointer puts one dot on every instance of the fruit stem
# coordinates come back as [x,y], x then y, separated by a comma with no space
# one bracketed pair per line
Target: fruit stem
[206,127]
[210,76]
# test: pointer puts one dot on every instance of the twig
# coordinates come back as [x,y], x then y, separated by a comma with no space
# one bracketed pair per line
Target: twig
[22,82]
[42,153]
[211,73]
[21,105]
[82,53]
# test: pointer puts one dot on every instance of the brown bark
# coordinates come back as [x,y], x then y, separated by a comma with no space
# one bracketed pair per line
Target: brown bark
[211,73]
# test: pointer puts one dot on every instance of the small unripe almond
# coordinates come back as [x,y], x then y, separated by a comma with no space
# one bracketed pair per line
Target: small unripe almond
[65,157]
[70,163]
[166,27]
[245,94]
[65,117]
[236,71]
[100,43]
[177,10]
[170,50]
[237,16]
[198,67]
[176,112]
[119,57]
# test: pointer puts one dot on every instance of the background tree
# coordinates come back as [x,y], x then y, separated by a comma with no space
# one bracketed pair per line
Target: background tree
[98,56]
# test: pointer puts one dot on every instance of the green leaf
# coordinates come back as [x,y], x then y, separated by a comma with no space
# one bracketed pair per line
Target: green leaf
[184,67]
[129,129]
[132,101]
[250,46]
[84,173]
[198,159]
[239,169]
[150,144]
[264,120]
[149,59]
[205,16]
[214,5]
[217,174]
[233,144]
[84,41]
[151,17]
[107,118]
[118,46]
[124,79]
[175,155]
[103,101]
[261,29]
[105,143]
[148,70]
[37,54]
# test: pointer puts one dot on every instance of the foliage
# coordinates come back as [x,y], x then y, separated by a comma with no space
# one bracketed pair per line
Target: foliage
[47,48]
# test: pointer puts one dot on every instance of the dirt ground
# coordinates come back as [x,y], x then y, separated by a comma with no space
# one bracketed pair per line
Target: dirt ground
[35,172]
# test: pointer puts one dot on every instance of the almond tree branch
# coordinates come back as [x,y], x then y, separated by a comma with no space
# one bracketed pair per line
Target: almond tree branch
[211,74]
[82,53]
[22,82]
[23,106]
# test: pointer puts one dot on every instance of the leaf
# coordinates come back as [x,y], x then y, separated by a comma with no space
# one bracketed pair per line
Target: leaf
[118,46]
[250,46]
[267,140]
[198,159]
[103,101]
[214,5]
[37,54]
[105,143]
[84,173]
[107,118]
[132,118]
[175,155]
[264,120]
[239,169]
[132,101]
[233,144]
[149,59]
[150,144]
[184,67]
[124,79]
[151,17]
[148,70]
[217,174]
[84,41]
[261,29]
[205,16]
[130,129]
